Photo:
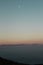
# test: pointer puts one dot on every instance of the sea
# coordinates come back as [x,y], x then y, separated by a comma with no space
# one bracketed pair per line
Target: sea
[27,54]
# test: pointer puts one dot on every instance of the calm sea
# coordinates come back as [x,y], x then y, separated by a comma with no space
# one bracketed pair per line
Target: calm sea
[32,54]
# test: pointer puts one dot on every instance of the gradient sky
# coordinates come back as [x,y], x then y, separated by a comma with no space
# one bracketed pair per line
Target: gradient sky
[21,21]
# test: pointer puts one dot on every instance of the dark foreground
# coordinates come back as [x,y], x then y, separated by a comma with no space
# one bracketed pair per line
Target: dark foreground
[9,62]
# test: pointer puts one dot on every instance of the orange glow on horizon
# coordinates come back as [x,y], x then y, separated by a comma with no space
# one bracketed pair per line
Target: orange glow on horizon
[21,41]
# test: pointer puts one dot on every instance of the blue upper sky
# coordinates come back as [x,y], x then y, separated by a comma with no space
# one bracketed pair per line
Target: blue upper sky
[21,19]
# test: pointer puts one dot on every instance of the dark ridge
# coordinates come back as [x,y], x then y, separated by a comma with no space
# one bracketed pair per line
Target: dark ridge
[4,61]
[9,62]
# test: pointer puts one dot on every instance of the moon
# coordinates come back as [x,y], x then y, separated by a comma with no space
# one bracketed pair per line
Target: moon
[19,6]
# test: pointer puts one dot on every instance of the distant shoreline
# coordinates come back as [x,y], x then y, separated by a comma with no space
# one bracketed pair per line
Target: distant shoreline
[20,44]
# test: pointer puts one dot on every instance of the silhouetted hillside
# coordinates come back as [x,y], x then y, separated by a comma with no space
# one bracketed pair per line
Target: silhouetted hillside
[9,62]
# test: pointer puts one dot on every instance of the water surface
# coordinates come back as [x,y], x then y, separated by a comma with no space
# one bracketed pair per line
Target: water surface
[32,54]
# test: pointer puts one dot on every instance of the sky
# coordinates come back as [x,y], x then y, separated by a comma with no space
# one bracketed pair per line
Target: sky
[21,21]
